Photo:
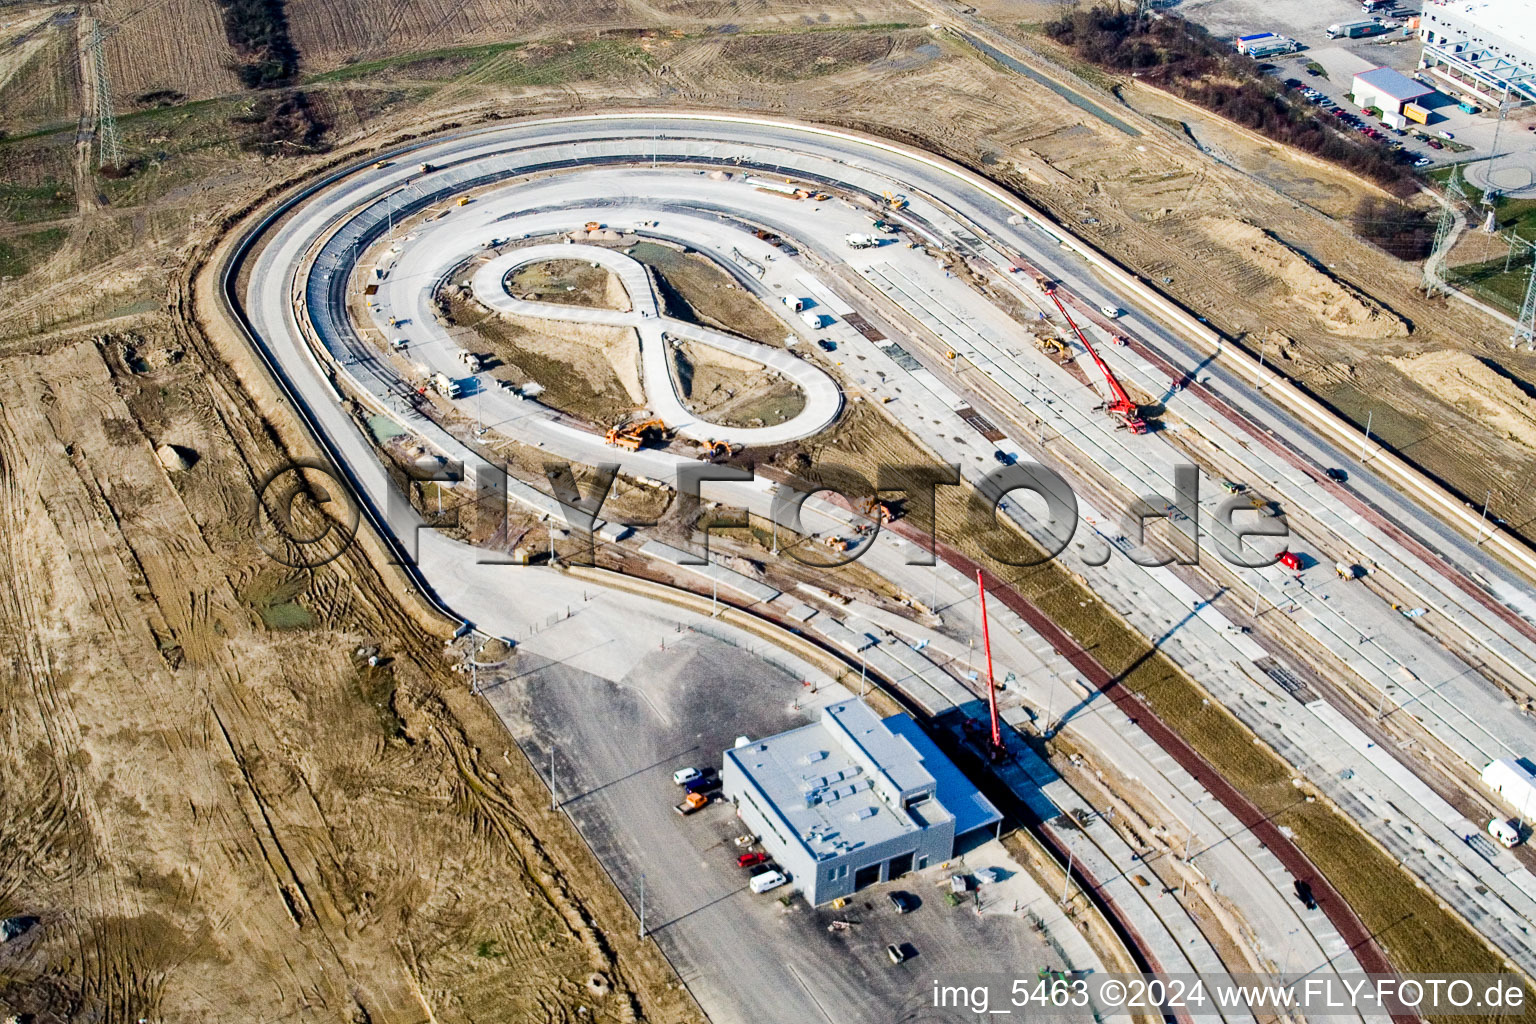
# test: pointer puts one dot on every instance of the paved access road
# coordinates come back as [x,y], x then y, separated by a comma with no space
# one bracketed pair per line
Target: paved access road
[312,254]
[823,399]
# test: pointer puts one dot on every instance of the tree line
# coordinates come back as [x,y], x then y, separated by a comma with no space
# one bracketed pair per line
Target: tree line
[1184,59]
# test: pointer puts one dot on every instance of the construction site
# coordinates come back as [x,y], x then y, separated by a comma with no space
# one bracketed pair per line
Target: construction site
[365,628]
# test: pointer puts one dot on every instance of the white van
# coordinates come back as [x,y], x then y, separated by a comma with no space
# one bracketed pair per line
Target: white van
[1113,312]
[794,302]
[767,880]
[1504,832]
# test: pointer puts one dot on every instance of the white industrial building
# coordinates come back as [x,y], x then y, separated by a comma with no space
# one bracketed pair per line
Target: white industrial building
[1388,91]
[852,800]
[1515,784]
[1485,49]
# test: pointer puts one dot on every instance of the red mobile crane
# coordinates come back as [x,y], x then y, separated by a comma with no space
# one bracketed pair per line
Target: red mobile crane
[1120,405]
[995,749]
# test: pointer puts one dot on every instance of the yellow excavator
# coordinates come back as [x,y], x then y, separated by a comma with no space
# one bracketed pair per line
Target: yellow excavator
[632,437]
[1051,346]
[895,201]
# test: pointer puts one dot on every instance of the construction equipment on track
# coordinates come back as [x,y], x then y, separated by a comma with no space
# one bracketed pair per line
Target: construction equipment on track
[1051,346]
[633,437]
[1120,403]
[875,507]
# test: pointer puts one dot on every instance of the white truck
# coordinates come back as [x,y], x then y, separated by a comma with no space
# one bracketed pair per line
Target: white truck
[446,385]
[858,241]
[794,302]
[1506,832]
[815,321]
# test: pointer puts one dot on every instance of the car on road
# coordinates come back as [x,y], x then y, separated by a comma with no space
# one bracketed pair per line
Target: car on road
[902,902]
[1002,457]
[826,345]
[897,953]
[751,860]
[1111,311]
[1304,894]
[683,776]
[1422,161]
[1338,476]
[763,881]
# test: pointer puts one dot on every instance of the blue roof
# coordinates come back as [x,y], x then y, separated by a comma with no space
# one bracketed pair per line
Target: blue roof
[952,790]
[1256,35]
[1394,84]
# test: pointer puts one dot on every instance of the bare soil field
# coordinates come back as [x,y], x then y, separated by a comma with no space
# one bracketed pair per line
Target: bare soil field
[692,288]
[223,812]
[1289,277]
[570,282]
[1478,388]
[192,845]
[732,391]
[589,371]
[39,73]
[169,45]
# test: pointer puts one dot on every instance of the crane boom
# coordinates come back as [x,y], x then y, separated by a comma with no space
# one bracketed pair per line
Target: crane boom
[995,747]
[1120,403]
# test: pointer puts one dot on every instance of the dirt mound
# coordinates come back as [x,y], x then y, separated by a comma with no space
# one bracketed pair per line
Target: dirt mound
[1295,279]
[1475,388]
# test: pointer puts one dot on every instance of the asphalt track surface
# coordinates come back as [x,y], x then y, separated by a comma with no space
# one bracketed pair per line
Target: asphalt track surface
[481,160]
[823,399]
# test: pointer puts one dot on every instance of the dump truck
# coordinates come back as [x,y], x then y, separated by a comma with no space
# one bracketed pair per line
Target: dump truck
[446,385]
[691,803]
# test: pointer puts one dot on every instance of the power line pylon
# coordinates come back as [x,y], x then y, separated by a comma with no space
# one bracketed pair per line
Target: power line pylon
[107,148]
[1454,193]
[1525,325]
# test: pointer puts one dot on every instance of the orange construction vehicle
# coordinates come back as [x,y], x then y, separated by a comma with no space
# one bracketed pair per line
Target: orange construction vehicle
[836,543]
[716,449]
[876,507]
[633,437]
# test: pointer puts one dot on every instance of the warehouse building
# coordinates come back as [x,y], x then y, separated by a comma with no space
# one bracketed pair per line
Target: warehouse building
[1484,49]
[1514,783]
[1388,91]
[852,800]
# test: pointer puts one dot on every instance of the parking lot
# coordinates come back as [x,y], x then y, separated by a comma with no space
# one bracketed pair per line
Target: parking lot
[617,739]
[1341,59]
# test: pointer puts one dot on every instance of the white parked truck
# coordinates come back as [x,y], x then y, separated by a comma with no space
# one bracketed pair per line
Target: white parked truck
[1355,29]
[446,386]
[794,302]
[813,320]
[857,241]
